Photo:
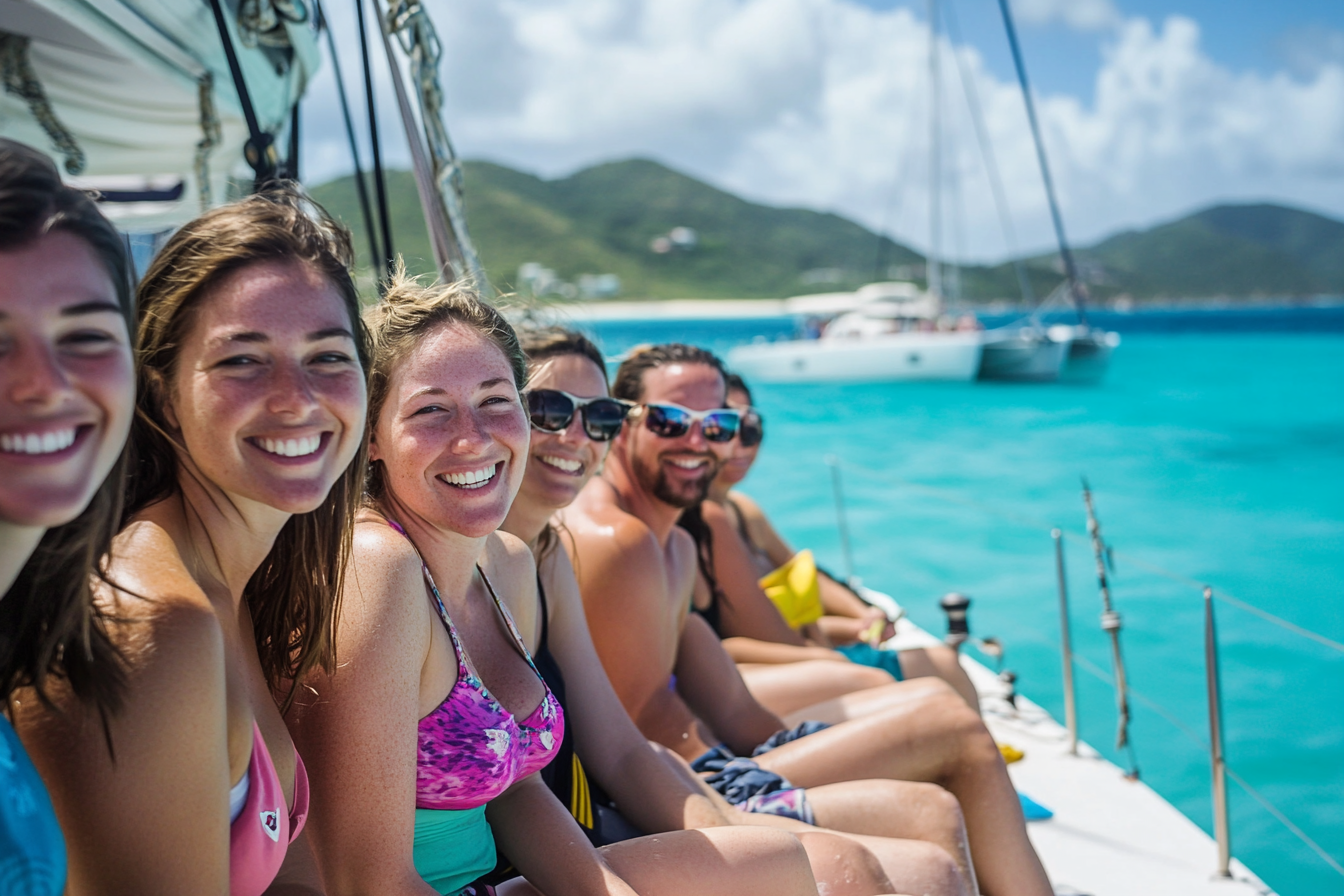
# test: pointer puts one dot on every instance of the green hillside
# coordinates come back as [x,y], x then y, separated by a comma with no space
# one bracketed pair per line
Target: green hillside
[604,219]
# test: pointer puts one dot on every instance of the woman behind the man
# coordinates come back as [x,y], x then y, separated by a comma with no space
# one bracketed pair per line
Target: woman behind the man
[67,395]
[426,742]
[249,437]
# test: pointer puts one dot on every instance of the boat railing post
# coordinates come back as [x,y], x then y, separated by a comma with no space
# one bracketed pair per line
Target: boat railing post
[840,522]
[1066,644]
[1221,824]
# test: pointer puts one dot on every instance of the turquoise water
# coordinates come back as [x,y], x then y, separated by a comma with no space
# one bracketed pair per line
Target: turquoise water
[1218,456]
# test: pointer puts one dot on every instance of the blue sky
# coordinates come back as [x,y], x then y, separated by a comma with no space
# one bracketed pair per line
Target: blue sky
[1150,109]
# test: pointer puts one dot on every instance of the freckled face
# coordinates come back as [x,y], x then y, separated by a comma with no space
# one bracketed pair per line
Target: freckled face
[267,393]
[453,435]
[739,463]
[67,381]
[561,463]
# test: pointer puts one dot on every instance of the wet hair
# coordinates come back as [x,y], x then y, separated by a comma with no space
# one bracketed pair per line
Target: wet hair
[293,595]
[629,383]
[49,623]
[693,521]
[408,313]
[544,343]
[735,382]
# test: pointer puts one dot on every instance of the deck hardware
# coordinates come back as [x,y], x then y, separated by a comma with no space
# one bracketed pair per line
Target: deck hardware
[1222,829]
[1110,623]
[958,626]
[840,523]
[1066,644]
[1009,679]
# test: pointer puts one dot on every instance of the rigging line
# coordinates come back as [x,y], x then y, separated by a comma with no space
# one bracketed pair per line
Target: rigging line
[361,188]
[1070,268]
[988,156]
[379,184]
[260,149]
[1285,821]
[1097,672]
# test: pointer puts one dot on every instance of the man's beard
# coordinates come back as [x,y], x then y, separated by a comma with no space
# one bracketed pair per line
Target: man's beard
[654,480]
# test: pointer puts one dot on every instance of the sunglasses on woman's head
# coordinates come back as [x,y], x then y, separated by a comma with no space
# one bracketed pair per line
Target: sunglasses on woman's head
[752,430]
[551,410]
[672,421]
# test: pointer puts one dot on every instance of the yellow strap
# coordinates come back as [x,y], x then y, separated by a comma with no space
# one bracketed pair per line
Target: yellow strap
[795,591]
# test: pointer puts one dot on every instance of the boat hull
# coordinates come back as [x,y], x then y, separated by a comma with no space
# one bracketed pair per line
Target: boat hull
[953,357]
[1089,353]
[1023,355]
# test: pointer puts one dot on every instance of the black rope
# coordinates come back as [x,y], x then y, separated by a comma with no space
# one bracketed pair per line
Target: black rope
[379,185]
[291,171]
[260,148]
[360,187]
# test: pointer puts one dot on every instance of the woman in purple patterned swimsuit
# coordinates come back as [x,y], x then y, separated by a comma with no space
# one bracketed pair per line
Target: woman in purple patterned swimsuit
[423,746]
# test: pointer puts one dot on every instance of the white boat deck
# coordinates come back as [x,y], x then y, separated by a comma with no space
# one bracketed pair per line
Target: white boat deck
[1109,836]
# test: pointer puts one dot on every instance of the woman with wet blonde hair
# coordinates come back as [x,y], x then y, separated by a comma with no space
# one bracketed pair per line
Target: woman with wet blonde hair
[249,436]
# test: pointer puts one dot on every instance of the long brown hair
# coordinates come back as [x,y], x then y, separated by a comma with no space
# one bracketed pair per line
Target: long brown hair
[409,311]
[293,595]
[49,623]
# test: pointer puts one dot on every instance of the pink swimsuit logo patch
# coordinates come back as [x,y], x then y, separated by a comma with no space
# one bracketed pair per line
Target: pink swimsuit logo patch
[270,823]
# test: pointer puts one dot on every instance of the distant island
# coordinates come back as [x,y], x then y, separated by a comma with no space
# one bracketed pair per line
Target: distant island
[639,229]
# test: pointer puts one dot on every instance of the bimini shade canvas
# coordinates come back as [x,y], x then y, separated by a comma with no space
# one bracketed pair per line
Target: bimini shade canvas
[135,97]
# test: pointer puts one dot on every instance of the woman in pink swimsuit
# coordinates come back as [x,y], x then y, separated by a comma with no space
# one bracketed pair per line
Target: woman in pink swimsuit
[249,441]
[425,743]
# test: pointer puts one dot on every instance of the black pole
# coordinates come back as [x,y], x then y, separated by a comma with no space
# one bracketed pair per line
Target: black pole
[379,185]
[260,149]
[292,163]
[1070,269]
[375,255]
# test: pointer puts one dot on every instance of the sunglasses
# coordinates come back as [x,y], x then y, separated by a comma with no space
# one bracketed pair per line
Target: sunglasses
[672,421]
[752,430]
[551,410]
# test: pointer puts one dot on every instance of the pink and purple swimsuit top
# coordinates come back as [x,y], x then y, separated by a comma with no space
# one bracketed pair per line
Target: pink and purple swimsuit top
[470,748]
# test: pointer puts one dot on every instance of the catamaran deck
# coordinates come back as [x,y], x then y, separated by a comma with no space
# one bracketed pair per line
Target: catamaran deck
[1109,836]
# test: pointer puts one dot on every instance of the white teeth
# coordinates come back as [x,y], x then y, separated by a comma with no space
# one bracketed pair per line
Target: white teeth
[472,479]
[687,464]
[290,447]
[34,443]
[564,463]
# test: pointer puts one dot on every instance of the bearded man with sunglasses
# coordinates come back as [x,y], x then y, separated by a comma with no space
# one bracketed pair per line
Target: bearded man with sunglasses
[636,572]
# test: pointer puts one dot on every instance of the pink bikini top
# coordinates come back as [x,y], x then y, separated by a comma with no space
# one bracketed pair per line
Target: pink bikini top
[262,832]
[470,748]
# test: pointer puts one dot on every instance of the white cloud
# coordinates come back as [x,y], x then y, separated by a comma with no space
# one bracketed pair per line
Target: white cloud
[824,103]
[1083,15]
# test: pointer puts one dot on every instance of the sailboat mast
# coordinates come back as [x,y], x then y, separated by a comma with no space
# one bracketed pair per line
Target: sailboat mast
[933,263]
[1065,253]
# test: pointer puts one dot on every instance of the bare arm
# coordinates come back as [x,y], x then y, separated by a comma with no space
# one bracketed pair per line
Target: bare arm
[547,846]
[612,748]
[745,611]
[709,681]
[750,650]
[155,820]
[357,729]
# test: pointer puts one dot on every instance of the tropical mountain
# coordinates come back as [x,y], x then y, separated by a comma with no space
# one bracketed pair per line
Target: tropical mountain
[667,235]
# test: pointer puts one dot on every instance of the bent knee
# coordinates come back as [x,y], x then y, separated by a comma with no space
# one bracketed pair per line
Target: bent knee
[839,860]
[941,813]
[935,870]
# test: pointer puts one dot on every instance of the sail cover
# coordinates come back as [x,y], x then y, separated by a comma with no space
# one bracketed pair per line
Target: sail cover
[135,97]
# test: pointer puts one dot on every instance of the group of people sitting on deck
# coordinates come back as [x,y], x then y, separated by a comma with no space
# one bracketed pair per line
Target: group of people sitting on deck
[299,599]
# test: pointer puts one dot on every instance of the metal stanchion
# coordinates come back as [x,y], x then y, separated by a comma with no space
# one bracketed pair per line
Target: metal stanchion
[1066,643]
[1222,830]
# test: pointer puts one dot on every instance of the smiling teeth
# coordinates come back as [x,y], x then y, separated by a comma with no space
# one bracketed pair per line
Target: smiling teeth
[290,447]
[35,443]
[687,464]
[472,479]
[563,463]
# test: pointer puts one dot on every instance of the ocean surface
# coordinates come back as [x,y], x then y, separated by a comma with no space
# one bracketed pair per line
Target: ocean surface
[1215,452]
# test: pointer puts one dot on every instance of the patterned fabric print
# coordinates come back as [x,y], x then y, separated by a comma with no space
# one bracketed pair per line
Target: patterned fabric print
[788,803]
[470,748]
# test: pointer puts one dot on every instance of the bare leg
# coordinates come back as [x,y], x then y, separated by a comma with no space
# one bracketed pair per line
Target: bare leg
[940,662]
[938,739]
[904,810]
[868,702]
[848,865]
[727,861]
[786,688]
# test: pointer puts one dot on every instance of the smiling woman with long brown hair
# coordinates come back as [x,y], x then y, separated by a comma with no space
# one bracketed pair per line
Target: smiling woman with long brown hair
[250,441]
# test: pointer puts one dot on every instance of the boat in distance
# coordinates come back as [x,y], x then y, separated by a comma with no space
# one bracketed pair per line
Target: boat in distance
[895,333]
[1023,354]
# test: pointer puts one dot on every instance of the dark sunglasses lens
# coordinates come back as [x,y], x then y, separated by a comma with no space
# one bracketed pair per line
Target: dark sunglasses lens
[602,418]
[752,431]
[549,410]
[721,426]
[667,422]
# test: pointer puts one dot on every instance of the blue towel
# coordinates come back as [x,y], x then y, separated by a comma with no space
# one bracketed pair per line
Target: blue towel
[1033,810]
[868,655]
